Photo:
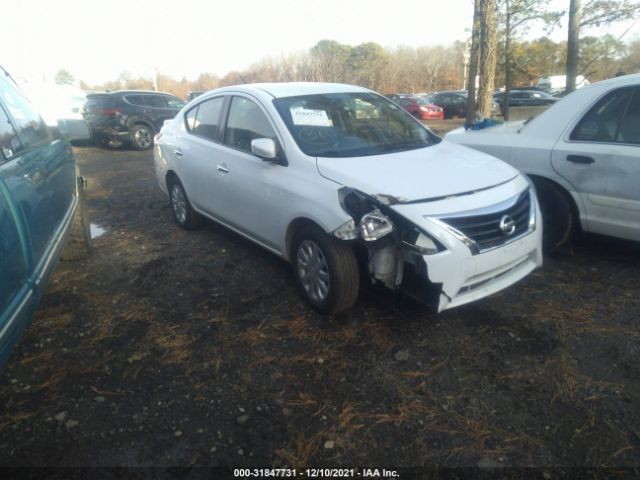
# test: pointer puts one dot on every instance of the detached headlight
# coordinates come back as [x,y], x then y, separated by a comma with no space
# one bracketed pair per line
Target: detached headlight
[374,225]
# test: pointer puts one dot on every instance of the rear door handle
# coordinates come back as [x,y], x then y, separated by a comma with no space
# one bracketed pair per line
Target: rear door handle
[178,153]
[222,169]
[580,159]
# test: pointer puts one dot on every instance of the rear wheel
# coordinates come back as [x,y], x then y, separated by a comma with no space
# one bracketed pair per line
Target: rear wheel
[325,269]
[558,217]
[183,213]
[141,137]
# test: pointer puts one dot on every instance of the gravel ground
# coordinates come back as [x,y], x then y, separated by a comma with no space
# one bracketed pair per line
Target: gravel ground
[175,348]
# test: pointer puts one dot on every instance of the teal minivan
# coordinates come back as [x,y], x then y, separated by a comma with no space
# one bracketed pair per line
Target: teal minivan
[40,204]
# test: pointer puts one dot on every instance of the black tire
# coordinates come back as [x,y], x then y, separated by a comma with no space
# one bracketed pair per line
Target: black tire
[340,269]
[78,246]
[183,213]
[558,216]
[141,136]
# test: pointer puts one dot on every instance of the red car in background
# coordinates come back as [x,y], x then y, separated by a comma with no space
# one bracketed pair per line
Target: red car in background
[419,107]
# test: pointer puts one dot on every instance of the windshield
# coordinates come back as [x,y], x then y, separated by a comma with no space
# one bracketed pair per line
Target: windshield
[351,125]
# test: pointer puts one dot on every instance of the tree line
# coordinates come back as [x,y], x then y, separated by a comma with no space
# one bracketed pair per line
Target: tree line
[405,69]
[496,55]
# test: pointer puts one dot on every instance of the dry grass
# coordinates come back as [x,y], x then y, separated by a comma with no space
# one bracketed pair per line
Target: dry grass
[570,384]
[176,346]
[581,320]
[303,449]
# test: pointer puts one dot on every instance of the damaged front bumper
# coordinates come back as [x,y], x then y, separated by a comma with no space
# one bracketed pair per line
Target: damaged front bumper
[485,244]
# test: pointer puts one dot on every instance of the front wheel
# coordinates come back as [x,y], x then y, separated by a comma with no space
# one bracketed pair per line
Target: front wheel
[325,269]
[141,137]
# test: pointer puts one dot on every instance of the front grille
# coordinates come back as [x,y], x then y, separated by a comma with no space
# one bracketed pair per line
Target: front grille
[485,228]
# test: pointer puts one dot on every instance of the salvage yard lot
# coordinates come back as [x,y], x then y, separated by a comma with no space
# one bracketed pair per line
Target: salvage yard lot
[169,347]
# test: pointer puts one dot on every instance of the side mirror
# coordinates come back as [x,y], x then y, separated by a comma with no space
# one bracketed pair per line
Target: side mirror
[73,129]
[265,148]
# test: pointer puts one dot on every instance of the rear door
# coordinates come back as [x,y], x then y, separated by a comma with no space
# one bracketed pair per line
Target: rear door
[16,295]
[600,156]
[198,152]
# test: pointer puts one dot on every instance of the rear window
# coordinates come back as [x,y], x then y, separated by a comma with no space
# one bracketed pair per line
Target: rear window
[99,101]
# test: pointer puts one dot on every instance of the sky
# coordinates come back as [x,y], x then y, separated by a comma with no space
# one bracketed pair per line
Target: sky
[96,41]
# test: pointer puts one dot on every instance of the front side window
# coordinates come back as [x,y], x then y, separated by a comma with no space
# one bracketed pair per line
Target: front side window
[330,125]
[30,125]
[601,123]
[9,141]
[204,119]
[246,123]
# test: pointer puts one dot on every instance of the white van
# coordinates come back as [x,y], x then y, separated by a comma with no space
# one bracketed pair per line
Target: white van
[559,82]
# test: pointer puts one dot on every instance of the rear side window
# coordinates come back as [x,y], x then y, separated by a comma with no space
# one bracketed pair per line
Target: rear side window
[135,100]
[9,141]
[96,102]
[204,119]
[155,101]
[602,122]
[29,123]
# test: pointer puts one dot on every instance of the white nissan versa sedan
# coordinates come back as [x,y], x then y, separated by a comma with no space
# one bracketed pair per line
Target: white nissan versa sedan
[337,180]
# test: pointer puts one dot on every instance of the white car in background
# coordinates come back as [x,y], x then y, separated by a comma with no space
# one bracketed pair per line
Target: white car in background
[325,174]
[56,102]
[582,154]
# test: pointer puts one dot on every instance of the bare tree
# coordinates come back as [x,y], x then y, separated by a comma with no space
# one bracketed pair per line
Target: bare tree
[473,61]
[516,15]
[488,56]
[592,14]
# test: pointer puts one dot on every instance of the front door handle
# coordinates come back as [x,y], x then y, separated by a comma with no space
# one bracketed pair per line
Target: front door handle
[178,153]
[222,169]
[580,159]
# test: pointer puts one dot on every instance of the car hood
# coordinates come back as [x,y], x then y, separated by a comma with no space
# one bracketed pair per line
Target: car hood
[442,170]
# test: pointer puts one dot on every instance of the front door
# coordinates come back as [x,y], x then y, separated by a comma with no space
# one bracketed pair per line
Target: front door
[254,189]
[600,156]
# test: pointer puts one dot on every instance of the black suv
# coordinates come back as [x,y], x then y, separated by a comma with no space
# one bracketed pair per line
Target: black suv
[129,116]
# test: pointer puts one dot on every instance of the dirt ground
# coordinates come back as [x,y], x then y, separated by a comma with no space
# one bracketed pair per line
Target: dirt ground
[175,348]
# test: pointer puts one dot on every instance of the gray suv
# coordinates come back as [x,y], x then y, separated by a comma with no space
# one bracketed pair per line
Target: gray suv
[129,116]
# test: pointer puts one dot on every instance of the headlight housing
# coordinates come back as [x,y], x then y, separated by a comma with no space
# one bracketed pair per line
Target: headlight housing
[374,225]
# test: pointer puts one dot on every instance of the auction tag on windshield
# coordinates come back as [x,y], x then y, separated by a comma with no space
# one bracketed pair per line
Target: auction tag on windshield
[312,118]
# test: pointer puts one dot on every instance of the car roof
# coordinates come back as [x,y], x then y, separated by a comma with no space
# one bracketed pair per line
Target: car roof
[293,89]
[126,92]
[633,79]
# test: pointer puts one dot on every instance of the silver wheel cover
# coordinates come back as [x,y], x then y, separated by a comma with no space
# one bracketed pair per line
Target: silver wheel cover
[179,203]
[313,271]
